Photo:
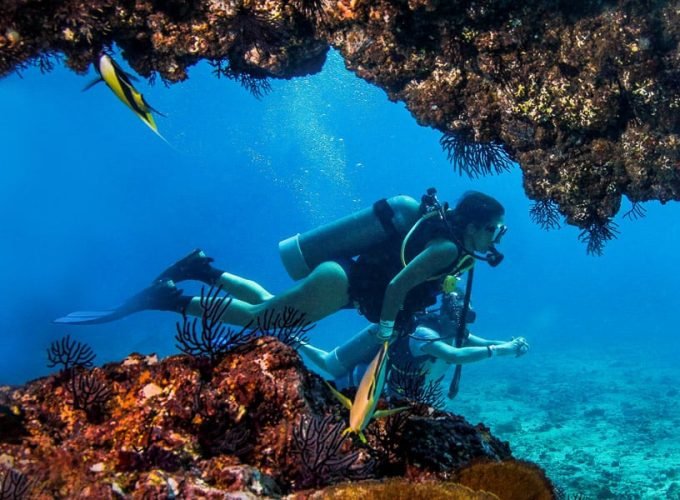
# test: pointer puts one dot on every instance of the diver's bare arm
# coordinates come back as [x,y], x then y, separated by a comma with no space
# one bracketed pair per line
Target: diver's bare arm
[463,355]
[438,254]
[474,341]
[518,345]
[459,356]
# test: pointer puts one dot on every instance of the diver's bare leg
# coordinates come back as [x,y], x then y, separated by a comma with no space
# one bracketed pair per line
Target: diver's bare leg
[322,359]
[360,349]
[243,289]
[322,293]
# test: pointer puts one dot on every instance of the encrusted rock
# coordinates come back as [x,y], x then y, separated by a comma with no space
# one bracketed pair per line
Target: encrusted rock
[240,427]
[585,95]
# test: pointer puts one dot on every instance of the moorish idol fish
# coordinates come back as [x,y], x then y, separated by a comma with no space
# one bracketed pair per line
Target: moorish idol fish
[119,82]
[362,409]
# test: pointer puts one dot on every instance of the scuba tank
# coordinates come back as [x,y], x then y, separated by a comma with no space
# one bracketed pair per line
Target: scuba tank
[349,236]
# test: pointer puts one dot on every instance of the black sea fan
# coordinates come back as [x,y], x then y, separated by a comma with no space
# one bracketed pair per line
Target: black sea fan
[388,446]
[596,235]
[88,392]
[318,442]
[70,354]
[409,383]
[258,86]
[546,214]
[312,9]
[256,29]
[473,158]
[289,326]
[13,484]
[207,336]
[637,211]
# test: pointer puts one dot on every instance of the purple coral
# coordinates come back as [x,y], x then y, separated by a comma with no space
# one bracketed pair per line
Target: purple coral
[318,442]
[13,485]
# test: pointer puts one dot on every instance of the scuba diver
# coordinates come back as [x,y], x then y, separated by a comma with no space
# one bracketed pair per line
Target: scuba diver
[428,350]
[388,261]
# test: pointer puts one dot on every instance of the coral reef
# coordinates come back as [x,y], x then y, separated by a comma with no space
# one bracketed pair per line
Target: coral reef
[318,443]
[261,425]
[511,479]
[400,488]
[584,95]
[215,339]
[13,485]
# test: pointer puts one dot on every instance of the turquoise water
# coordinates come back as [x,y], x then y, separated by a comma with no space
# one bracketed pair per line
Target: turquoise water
[93,206]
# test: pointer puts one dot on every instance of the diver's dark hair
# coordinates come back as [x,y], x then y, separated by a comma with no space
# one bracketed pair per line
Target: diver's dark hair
[476,208]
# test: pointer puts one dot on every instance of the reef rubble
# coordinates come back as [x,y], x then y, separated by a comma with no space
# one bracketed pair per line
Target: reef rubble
[584,95]
[257,423]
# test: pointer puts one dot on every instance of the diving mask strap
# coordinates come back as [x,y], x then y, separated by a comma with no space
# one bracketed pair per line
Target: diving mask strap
[460,334]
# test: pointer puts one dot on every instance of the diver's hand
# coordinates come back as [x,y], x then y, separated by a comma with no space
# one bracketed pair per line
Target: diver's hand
[521,346]
[516,347]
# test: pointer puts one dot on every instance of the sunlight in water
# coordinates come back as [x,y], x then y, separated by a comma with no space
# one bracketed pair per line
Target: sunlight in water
[319,171]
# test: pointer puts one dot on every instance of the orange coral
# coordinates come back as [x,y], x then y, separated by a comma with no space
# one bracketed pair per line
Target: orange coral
[510,479]
[401,488]
[347,9]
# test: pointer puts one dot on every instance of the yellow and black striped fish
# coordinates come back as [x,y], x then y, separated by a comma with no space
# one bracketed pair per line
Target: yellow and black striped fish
[119,82]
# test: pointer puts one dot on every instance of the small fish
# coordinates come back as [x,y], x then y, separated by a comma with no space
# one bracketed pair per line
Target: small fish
[120,83]
[362,409]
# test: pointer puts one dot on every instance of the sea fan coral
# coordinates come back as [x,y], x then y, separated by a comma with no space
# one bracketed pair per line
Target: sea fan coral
[637,211]
[596,235]
[388,446]
[410,383]
[318,442]
[475,159]
[207,337]
[88,393]
[214,339]
[13,484]
[258,86]
[546,214]
[70,354]
[289,326]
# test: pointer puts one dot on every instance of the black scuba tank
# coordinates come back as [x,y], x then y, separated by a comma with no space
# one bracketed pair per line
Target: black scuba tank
[349,236]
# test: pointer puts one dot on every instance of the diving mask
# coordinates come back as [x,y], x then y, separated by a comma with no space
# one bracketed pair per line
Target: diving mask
[498,231]
[493,256]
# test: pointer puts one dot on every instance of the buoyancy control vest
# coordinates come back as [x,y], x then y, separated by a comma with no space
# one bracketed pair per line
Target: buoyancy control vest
[373,270]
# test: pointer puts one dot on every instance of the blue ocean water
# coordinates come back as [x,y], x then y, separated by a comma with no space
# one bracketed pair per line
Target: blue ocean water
[93,206]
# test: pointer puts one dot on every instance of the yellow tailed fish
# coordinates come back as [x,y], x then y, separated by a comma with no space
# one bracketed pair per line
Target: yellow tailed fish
[119,82]
[362,409]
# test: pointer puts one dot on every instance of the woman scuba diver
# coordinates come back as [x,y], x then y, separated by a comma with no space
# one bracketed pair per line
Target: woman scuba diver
[388,262]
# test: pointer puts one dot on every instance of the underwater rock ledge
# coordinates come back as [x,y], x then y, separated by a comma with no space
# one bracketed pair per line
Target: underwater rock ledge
[585,95]
[179,427]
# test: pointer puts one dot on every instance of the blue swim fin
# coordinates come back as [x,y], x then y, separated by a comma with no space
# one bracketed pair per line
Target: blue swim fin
[160,296]
[90,317]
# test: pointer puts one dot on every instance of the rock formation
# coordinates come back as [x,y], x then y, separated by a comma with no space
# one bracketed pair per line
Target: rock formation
[585,94]
[256,422]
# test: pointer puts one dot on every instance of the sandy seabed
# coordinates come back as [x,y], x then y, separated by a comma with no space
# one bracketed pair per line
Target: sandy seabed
[603,421]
